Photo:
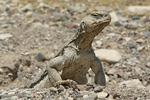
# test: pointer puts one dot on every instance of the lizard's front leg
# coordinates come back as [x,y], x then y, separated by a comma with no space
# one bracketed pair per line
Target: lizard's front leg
[99,73]
[55,65]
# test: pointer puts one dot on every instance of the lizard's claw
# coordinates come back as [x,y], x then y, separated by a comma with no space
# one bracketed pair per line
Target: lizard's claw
[72,84]
[68,82]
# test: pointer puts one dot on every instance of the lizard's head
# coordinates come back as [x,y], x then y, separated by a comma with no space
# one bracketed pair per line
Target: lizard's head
[95,22]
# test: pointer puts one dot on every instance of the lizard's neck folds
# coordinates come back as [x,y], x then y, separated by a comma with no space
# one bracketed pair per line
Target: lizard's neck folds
[83,41]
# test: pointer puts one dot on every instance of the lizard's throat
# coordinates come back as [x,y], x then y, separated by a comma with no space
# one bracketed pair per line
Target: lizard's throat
[85,43]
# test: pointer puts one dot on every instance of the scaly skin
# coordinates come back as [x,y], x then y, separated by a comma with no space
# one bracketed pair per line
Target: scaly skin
[76,57]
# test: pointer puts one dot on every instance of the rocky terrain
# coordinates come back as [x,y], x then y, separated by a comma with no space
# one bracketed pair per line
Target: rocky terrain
[32,30]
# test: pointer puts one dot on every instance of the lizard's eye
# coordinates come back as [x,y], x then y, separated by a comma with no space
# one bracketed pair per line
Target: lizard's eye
[94,14]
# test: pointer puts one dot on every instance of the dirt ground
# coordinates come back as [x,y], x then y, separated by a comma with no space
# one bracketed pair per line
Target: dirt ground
[41,26]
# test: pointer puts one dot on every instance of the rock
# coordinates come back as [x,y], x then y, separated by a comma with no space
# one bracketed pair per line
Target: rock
[114,17]
[5,36]
[140,48]
[45,7]
[140,40]
[28,7]
[53,89]
[79,7]
[146,33]
[132,83]
[131,25]
[148,64]
[131,43]
[14,98]
[103,8]
[26,94]
[108,55]
[118,24]
[139,10]
[57,16]
[6,96]
[112,71]
[37,24]
[145,19]
[40,57]
[107,78]
[98,89]
[91,96]
[102,95]
[71,25]
[137,70]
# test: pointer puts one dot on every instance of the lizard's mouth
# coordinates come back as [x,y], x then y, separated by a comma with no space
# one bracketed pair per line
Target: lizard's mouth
[104,22]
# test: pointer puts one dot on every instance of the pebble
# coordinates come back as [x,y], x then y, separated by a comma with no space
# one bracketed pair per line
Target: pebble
[148,64]
[28,7]
[102,95]
[79,7]
[40,57]
[139,10]
[103,8]
[107,78]
[108,55]
[5,36]
[91,96]
[132,83]
[112,71]
[114,17]
[131,43]
[146,33]
[131,25]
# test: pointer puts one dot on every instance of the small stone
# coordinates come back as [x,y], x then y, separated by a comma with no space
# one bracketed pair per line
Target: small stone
[139,10]
[1,70]
[103,8]
[131,25]
[5,36]
[26,94]
[114,17]
[6,96]
[145,19]
[102,95]
[57,16]
[37,24]
[140,41]
[140,48]
[44,7]
[132,83]
[112,71]
[14,98]
[53,89]
[91,96]
[137,70]
[28,7]
[146,33]
[98,89]
[118,24]
[107,78]
[69,98]
[61,88]
[98,43]
[71,25]
[40,57]
[108,55]
[148,64]
[79,7]
[131,43]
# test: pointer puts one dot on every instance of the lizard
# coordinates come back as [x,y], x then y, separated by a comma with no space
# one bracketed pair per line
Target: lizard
[76,57]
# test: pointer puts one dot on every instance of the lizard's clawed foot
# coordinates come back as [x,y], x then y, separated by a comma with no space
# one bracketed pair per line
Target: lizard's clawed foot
[68,82]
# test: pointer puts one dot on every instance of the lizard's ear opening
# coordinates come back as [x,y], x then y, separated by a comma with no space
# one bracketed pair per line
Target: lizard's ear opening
[82,27]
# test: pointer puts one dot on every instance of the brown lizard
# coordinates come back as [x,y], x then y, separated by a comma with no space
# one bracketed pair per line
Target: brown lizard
[76,57]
